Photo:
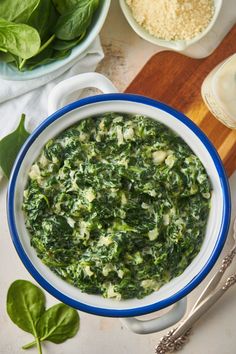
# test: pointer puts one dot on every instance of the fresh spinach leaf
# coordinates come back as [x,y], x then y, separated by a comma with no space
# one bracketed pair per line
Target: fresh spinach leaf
[39,58]
[59,323]
[18,11]
[25,305]
[73,23]
[26,308]
[19,39]
[10,146]
[6,57]
[44,19]
[43,48]
[63,6]
[59,44]
[47,59]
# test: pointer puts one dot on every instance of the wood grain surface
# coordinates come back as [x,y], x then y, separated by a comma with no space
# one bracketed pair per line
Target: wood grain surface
[176,80]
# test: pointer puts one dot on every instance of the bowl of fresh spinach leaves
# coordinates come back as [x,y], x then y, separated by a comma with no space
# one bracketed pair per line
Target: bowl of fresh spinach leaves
[38,37]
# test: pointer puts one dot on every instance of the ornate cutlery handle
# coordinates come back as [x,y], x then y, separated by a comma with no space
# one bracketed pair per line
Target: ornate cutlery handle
[211,286]
[217,277]
[176,338]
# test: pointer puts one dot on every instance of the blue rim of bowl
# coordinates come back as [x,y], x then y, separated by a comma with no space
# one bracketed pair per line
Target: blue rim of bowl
[142,310]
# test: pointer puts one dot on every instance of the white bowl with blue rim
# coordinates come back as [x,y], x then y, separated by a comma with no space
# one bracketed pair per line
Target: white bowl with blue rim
[59,119]
[10,72]
[176,45]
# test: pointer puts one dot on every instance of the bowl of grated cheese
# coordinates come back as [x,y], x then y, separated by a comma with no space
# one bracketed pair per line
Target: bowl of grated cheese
[171,24]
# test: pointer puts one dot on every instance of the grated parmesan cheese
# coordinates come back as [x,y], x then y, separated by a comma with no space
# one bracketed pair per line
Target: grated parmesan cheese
[172,19]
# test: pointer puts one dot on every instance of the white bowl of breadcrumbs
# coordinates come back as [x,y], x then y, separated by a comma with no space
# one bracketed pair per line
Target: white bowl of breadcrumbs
[173,24]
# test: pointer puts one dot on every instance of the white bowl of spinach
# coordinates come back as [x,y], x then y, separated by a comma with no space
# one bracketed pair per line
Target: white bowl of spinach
[38,37]
[118,205]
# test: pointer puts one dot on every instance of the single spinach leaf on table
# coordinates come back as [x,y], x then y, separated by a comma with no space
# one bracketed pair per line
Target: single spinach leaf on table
[26,308]
[10,146]
[25,305]
[19,39]
[73,23]
[59,323]
[18,11]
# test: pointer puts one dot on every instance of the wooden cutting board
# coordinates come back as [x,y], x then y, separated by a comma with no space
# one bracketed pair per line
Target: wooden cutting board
[176,80]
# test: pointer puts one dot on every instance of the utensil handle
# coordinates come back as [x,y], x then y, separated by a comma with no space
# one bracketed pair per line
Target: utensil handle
[177,338]
[226,262]
[204,306]
[76,83]
[157,324]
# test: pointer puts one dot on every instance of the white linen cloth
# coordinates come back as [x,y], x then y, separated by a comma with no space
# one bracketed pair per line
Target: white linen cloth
[31,96]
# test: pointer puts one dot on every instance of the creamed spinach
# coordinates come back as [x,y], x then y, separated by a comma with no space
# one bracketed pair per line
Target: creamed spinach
[117,205]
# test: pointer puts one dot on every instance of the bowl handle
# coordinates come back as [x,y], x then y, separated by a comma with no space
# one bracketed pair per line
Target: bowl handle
[76,83]
[159,323]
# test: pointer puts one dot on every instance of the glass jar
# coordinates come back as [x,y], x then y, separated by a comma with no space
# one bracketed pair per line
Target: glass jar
[219,92]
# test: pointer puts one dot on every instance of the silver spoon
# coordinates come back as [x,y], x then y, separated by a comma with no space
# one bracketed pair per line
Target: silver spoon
[176,338]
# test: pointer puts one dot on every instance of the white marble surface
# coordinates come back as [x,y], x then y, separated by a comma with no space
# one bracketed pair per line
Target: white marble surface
[215,333]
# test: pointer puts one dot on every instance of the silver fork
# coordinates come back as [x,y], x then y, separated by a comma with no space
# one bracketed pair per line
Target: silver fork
[176,338]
